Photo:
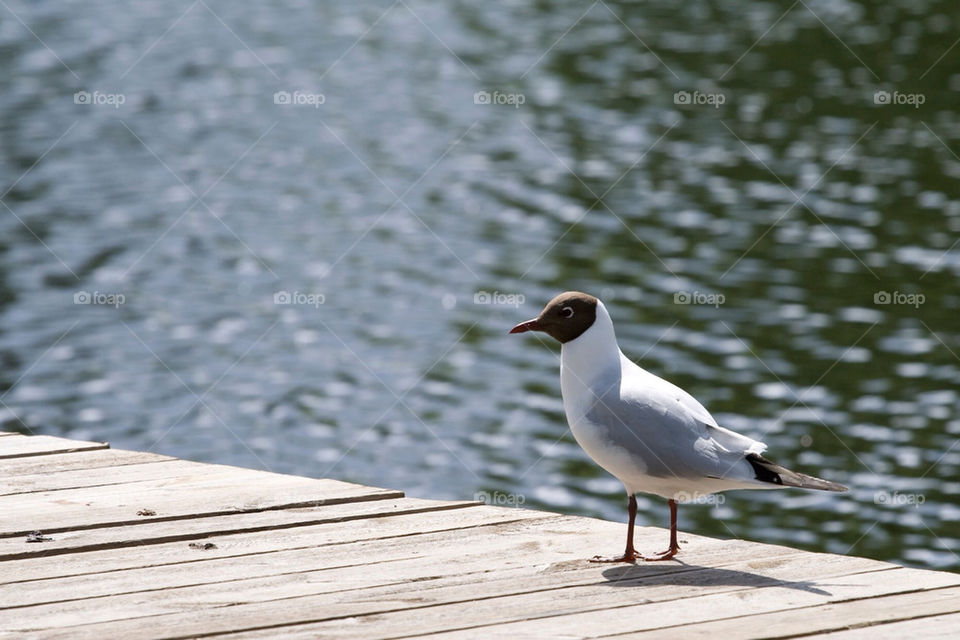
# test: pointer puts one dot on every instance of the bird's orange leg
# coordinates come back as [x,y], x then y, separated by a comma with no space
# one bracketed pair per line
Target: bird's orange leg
[674,547]
[629,554]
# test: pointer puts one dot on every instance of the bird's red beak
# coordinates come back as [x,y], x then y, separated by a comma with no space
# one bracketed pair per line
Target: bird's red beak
[529,325]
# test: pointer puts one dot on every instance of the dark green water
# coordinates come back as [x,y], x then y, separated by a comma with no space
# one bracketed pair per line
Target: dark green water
[637,151]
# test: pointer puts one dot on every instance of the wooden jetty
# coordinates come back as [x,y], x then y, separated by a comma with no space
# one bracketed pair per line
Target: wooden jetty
[103,543]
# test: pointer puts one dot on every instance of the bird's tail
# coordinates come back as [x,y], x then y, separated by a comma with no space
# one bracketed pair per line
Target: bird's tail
[768,471]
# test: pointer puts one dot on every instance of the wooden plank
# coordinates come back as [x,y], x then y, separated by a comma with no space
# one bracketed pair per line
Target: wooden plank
[18,446]
[232,564]
[574,613]
[215,491]
[830,617]
[394,535]
[58,462]
[346,571]
[939,627]
[106,477]
[808,586]
[261,533]
[420,610]
[311,569]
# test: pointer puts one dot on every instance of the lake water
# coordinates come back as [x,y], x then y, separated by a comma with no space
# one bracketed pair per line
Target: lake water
[767,230]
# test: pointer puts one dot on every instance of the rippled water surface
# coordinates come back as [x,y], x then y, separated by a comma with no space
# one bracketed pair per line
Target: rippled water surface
[734,156]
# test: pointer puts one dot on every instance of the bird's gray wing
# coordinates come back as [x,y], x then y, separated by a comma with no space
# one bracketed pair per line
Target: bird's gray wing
[668,432]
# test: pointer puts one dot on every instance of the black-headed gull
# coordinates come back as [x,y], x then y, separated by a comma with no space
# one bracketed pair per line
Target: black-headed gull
[652,435]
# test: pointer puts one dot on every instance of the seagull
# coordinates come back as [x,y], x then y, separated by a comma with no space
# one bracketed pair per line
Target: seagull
[653,436]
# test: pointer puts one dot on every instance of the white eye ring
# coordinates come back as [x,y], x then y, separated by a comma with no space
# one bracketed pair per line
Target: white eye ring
[567,312]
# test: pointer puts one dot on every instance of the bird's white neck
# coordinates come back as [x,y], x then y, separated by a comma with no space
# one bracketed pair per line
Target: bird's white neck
[591,356]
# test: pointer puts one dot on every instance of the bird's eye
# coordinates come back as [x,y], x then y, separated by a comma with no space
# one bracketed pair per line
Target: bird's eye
[567,312]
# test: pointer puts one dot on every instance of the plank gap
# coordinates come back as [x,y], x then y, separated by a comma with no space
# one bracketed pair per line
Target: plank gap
[114,483]
[30,454]
[385,495]
[200,535]
[878,625]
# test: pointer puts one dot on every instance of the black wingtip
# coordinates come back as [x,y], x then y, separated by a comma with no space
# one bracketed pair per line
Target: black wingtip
[764,469]
[769,471]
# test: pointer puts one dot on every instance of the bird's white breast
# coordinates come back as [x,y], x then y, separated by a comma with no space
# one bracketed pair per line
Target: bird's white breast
[590,366]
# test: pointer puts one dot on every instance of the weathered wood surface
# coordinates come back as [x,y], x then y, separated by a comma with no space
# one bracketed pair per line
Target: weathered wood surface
[18,446]
[149,546]
[22,468]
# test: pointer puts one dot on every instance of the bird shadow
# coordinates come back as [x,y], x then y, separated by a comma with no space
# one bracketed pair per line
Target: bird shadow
[648,574]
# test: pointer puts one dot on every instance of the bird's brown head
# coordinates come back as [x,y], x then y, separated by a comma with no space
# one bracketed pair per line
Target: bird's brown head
[565,317]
